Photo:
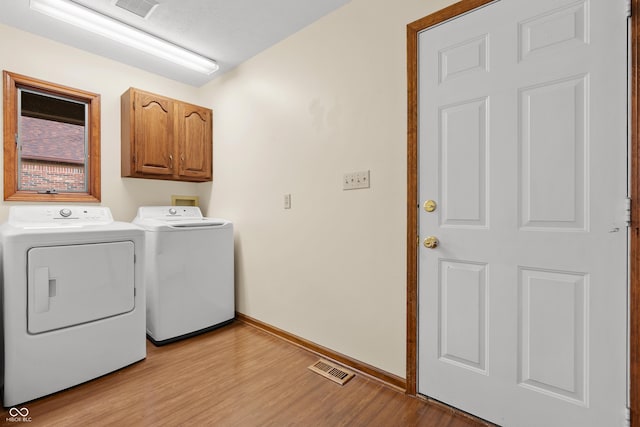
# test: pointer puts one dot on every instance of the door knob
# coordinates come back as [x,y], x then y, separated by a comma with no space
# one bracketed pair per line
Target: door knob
[431,242]
[430,205]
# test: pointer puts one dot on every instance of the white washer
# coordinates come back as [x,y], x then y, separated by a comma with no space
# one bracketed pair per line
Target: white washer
[73,303]
[189,272]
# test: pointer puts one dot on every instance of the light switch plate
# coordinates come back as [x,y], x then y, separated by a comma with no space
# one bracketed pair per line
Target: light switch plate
[356,180]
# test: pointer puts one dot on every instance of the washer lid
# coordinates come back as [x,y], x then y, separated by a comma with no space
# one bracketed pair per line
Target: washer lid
[175,218]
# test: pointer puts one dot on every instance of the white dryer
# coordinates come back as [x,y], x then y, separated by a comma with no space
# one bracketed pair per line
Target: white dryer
[189,274]
[73,305]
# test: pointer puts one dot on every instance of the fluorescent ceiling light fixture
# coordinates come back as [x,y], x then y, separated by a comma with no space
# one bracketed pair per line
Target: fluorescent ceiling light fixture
[89,20]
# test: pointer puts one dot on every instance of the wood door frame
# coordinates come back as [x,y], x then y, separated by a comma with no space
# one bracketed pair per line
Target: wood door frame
[450,12]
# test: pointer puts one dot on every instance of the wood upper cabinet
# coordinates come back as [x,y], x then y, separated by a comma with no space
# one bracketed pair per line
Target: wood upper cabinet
[163,138]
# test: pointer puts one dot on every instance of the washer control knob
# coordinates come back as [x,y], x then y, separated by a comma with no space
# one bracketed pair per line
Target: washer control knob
[173,211]
[65,212]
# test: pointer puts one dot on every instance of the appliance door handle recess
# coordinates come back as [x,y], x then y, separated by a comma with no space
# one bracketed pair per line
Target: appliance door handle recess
[41,289]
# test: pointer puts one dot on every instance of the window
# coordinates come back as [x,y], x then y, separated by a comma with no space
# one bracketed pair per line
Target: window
[51,141]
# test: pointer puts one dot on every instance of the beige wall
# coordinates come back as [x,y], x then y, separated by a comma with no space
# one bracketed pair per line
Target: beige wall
[328,100]
[34,56]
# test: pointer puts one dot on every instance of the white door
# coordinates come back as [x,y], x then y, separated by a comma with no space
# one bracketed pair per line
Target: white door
[522,145]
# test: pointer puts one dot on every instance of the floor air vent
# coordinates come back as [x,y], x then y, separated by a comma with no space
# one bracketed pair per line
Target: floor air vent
[332,371]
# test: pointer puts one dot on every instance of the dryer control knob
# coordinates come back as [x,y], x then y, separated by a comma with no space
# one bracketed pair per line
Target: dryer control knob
[65,212]
[173,211]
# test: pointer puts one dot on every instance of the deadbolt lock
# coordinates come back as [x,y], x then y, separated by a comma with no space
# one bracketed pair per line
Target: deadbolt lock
[431,242]
[430,205]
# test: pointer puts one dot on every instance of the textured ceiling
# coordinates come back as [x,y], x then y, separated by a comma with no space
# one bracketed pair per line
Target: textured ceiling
[228,31]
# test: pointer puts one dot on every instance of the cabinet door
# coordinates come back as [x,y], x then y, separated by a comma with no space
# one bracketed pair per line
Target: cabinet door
[195,141]
[153,134]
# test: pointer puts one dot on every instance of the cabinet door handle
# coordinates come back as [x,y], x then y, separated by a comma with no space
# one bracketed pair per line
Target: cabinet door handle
[170,161]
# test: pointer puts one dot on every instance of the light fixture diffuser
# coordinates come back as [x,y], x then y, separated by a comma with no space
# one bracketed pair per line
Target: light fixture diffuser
[97,23]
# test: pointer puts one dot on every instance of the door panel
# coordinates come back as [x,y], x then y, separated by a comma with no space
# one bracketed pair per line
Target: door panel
[70,285]
[463,164]
[553,167]
[558,29]
[467,57]
[553,328]
[522,144]
[463,308]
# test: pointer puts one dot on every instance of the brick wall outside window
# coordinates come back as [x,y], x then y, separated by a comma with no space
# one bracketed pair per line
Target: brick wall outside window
[42,175]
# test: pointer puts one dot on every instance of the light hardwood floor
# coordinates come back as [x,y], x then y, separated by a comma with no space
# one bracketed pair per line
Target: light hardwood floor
[235,376]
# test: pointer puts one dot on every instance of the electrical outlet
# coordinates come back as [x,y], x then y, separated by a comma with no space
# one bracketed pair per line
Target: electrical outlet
[356,180]
[287,201]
